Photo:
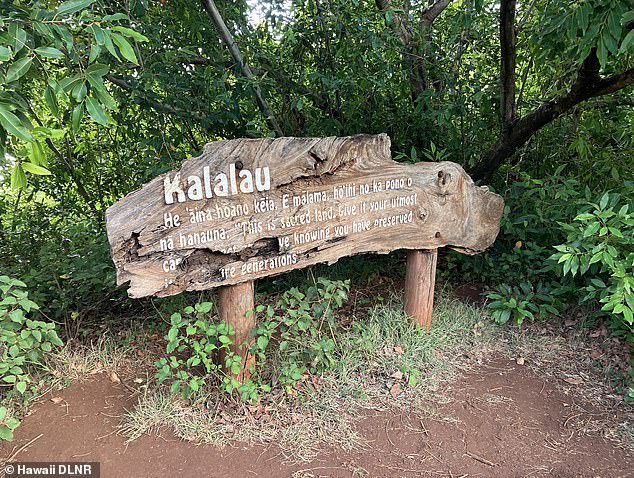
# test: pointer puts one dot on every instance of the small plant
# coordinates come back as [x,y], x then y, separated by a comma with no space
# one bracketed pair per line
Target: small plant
[306,325]
[199,352]
[521,302]
[195,344]
[23,341]
[7,424]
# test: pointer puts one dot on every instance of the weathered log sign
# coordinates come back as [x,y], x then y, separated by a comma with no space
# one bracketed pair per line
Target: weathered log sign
[250,208]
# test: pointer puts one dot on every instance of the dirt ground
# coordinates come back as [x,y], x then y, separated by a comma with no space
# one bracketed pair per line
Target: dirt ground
[503,421]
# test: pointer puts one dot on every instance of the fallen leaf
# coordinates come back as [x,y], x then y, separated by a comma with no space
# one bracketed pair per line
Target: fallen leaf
[138,380]
[57,399]
[398,375]
[595,354]
[399,350]
[395,391]
[595,333]
[114,378]
[519,360]
[439,355]
[573,380]
[570,322]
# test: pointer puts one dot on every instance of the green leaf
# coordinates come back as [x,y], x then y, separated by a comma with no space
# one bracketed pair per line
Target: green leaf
[627,41]
[13,125]
[78,114]
[18,35]
[5,434]
[262,342]
[109,45]
[203,307]
[98,33]
[18,69]
[95,51]
[5,53]
[51,100]
[72,6]
[604,200]
[18,178]
[79,92]
[21,387]
[37,154]
[9,378]
[124,47]
[96,111]
[130,33]
[115,17]
[96,72]
[35,169]
[171,335]
[49,52]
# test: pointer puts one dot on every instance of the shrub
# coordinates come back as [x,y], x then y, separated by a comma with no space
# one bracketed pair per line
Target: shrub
[23,341]
[599,252]
[306,324]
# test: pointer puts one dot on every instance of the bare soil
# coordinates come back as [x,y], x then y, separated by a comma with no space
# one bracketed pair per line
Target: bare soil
[502,421]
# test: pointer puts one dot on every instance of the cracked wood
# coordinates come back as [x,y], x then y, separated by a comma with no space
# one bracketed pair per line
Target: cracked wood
[247,209]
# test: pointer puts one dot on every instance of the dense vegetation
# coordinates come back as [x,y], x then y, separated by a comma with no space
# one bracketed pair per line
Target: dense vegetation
[534,98]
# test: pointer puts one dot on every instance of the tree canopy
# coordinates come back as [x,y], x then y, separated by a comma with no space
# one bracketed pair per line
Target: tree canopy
[97,97]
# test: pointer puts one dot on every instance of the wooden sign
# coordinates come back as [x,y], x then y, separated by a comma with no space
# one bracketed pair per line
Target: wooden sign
[251,208]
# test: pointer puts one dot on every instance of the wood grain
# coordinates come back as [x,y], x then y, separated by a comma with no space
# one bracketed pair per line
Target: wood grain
[420,281]
[381,206]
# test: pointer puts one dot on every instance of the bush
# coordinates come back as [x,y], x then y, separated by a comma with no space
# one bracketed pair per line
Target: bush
[306,324]
[197,346]
[599,253]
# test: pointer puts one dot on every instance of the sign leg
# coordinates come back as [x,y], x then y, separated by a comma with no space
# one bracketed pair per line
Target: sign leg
[420,279]
[235,302]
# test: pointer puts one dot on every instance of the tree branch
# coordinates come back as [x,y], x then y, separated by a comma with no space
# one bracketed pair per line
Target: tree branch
[227,38]
[588,84]
[508,59]
[431,13]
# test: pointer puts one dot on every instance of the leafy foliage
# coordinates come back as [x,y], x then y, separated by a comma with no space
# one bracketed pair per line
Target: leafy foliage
[200,356]
[600,250]
[23,345]
[306,324]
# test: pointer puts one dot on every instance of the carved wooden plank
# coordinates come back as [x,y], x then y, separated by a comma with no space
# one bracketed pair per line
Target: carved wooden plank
[247,209]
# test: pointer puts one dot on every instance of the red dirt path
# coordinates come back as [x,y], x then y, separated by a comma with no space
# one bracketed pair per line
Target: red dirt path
[503,422]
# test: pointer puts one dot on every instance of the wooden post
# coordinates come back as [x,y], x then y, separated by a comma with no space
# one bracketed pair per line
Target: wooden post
[420,279]
[235,302]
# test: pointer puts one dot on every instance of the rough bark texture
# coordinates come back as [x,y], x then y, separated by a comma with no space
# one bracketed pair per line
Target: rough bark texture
[420,281]
[508,60]
[327,198]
